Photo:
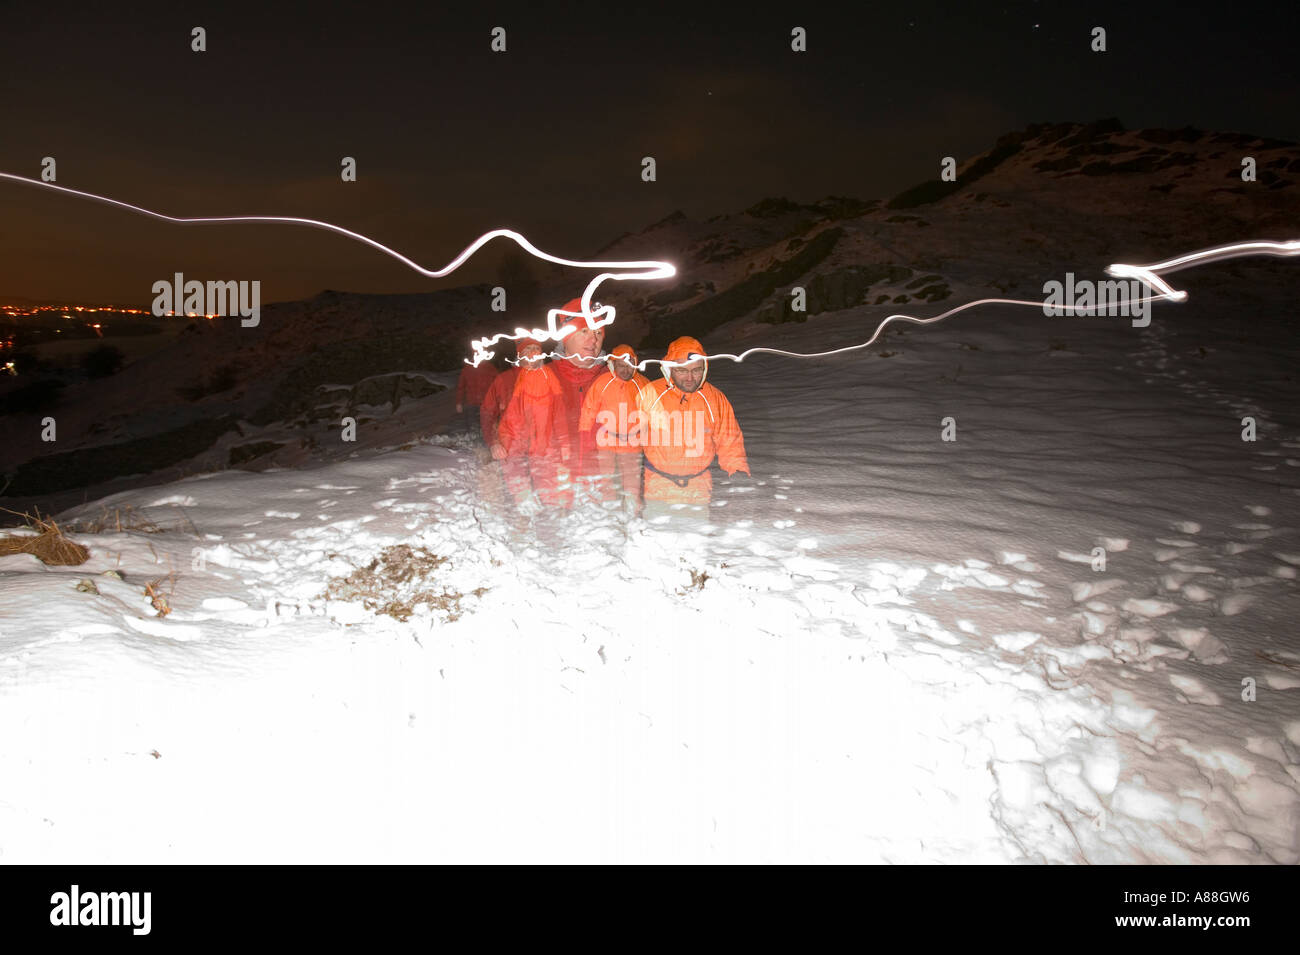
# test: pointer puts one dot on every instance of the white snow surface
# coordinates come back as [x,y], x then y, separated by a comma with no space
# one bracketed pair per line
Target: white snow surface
[890,649]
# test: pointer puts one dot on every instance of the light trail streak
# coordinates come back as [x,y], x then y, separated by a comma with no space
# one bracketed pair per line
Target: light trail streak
[598,316]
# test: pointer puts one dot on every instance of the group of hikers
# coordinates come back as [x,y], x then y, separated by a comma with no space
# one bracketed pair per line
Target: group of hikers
[589,425]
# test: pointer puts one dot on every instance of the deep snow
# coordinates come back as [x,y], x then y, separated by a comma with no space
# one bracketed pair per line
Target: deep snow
[900,652]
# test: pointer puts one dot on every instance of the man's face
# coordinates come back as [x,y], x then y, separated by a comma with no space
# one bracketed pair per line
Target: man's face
[531,356]
[623,368]
[690,376]
[585,342]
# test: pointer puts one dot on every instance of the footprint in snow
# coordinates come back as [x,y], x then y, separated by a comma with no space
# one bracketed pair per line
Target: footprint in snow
[1086,590]
[1148,607]
[1095,624]
[1073,557]
[1205,647]
[157,628]
[1017,641]
[1020,562]
[1234,604]
[1194,690]
[223,603]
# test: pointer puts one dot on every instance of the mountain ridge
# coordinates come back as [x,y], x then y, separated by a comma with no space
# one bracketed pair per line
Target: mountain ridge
[1042,200]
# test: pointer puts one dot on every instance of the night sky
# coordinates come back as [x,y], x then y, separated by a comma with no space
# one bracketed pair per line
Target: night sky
[452,140]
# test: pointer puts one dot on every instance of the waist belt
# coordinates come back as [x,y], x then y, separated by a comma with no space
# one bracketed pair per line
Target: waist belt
[681,480]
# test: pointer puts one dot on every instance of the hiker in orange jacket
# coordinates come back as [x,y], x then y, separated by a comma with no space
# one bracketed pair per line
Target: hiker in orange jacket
[684,424]
[610,411]
[580,364]
[533,440]
[471,388]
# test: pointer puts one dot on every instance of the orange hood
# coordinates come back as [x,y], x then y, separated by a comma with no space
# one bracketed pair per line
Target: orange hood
[622,352]
[680,351]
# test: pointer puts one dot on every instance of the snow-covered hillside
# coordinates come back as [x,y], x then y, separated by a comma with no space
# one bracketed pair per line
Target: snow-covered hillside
[888,648]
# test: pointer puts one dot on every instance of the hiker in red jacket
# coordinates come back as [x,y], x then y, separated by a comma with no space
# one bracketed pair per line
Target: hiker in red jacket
[534,440]
[491,474]
[495,401]
[580,364]
[471,388]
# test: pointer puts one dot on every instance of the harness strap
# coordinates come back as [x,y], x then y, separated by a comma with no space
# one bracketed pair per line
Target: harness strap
[681,480]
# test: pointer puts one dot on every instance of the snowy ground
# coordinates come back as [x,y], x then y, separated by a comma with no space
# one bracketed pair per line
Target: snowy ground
[893,648]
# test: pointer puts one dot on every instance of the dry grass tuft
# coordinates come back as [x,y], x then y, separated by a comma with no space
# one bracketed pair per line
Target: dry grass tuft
[117,520]
[161,601]
[698,580]
[398,580]
[49,544]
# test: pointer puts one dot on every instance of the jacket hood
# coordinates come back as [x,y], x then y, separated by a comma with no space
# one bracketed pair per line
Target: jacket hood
[680,351]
